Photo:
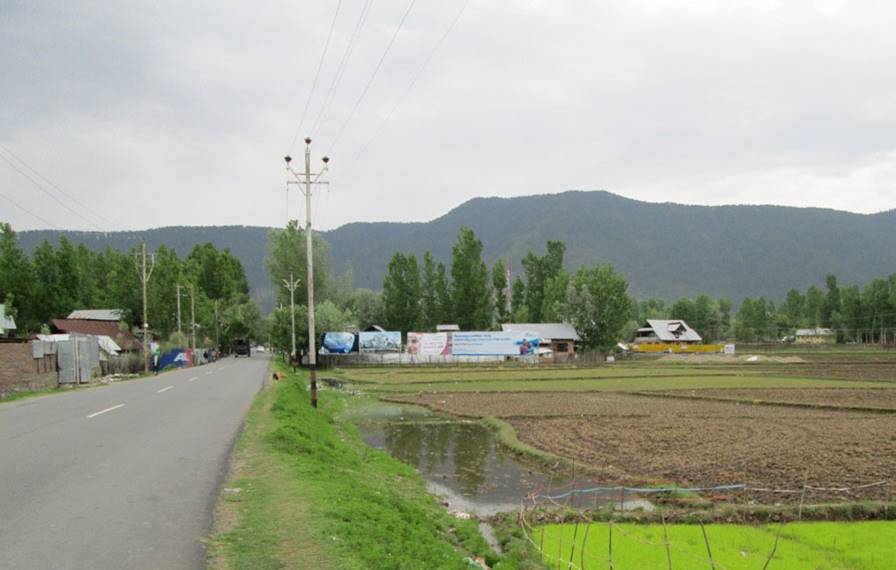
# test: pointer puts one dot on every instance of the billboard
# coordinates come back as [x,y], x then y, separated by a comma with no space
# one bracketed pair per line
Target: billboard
[509,343]
[377,341]
[429,344]
[337,343]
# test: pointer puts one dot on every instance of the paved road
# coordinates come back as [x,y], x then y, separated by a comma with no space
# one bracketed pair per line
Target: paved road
[123,476]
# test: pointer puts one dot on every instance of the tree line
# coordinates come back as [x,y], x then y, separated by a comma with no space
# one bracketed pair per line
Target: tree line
[54,281]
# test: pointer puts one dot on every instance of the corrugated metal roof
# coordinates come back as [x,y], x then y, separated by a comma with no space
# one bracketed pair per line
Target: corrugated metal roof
[673,330]
[546,331]
[97,314]
[124,339]
[814,332]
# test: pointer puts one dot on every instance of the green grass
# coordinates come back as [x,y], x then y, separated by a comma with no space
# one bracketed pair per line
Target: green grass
[817,545]
[358,507]
[623,384]
[25,394]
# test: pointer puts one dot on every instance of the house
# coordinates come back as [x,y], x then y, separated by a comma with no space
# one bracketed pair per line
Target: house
[660,331]
[815,336]
[7,323]
[97,322]
[560,338]
[447,328]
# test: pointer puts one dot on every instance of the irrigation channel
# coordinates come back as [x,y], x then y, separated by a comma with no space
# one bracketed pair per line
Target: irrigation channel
[464,464]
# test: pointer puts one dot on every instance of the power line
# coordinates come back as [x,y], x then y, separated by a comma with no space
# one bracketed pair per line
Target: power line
[27,211]
[50,194]
[373,75]
[320,65]
[340,69]
[413,82]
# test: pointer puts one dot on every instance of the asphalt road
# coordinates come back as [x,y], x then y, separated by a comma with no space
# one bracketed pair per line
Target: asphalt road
[121,476]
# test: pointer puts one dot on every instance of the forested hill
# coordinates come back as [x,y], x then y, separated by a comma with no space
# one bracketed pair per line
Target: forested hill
[665,250]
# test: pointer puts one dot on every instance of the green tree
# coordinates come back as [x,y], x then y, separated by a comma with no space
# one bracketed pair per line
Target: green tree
[429,298]
[539,271]
[368,308]
[599,306]
[401,293]
[813,307]
[443,296]
[287,254]
[831,301]
[17,281]
[555,290]
[470,291]
[500,286]
[519,312]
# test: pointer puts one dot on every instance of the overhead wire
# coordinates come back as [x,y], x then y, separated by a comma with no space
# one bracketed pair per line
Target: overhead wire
[340,69]
[27,211]
[56,187]
[50,194]
[320,65]
[413,82]
[373,75]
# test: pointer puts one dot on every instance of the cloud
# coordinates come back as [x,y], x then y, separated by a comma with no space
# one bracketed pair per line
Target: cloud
[171,113]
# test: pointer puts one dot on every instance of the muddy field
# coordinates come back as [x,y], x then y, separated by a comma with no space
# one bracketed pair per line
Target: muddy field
[880,399]
[619,437]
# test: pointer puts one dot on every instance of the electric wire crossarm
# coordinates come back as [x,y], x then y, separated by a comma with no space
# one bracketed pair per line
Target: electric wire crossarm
[312,351]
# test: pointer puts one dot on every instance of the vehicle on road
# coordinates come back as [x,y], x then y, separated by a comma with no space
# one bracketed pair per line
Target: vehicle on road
[241,347]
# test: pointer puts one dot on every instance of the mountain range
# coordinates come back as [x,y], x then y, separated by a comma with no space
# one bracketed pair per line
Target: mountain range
[665,250]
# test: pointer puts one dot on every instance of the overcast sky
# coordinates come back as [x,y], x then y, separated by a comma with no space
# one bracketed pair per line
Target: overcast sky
[179,113]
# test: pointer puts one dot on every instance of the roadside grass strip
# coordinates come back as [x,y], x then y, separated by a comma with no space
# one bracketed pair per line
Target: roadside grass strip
[821,545]
[357,507]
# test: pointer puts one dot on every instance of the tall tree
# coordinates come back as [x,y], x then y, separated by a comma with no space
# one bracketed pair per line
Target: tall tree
[539,271]
[443,296]
[519,312]
[470,291]
[429,298]
[17,280]
[287,254]
[831,301]
[401,293]
[500,288]
[599,306]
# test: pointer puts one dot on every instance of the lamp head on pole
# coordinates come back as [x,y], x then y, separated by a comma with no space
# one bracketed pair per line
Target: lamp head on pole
[326,159]
[307,140]
[287,158]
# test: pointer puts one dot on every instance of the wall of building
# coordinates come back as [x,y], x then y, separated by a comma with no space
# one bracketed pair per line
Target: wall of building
[19,370]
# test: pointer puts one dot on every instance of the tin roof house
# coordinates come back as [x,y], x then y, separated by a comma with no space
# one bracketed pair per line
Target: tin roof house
[662,331]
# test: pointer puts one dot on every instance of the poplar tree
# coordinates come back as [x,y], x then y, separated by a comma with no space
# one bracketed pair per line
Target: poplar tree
[470,292]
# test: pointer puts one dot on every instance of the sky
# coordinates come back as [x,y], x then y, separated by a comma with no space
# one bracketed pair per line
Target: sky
[131,115]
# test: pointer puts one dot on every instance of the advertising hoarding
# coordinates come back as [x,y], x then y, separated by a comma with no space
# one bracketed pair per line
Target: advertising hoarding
[337,343]
[377,341]
[429,344]
[509,343]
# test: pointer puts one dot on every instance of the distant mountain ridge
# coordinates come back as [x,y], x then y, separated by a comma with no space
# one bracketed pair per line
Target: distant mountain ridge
[666,250]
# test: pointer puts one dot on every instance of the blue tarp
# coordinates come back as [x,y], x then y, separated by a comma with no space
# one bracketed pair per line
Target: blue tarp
[176,357]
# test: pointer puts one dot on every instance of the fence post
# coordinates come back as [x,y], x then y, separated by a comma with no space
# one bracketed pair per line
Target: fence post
[708,550]
[610,549]
[666,540]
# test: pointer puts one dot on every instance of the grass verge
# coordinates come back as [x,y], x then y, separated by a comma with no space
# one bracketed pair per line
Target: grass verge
[312,494]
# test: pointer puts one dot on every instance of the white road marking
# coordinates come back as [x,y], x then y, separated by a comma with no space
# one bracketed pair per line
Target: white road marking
[165,389]
[193,379]
[212,371]
[95,414]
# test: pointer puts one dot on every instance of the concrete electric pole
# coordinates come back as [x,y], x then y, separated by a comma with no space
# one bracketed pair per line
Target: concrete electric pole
[179,329]
[193,321]
[291,284]
[309,278]
[144,279]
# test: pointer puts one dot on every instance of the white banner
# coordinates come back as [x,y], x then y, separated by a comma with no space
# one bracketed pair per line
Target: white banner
[508,343]
[428,344]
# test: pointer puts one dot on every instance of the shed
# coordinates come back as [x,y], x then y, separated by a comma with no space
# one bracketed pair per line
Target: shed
[122,338]
[815,336]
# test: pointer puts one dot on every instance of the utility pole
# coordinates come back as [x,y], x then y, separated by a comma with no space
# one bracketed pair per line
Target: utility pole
[178,309]
[193,320]
[217,333]
[309,278]
[291,285]
[144,279]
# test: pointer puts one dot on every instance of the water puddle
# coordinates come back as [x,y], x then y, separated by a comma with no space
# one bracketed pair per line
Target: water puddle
[464,464]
